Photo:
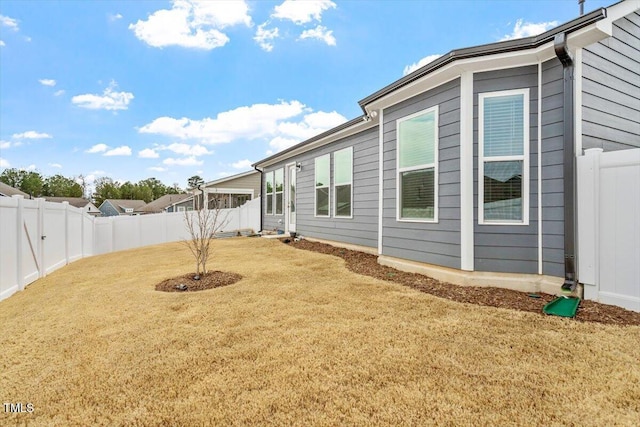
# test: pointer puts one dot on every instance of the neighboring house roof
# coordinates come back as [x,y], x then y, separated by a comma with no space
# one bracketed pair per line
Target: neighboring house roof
[8,191]
[78,202]
[164,202]
[229,178]
[366,121]
[122,204]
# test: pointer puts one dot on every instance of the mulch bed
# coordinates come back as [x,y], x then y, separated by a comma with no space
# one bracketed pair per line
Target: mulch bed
[366,264]
[213,279]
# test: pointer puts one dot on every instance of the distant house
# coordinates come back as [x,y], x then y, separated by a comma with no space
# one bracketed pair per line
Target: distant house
[231,191]
[169,203]
[78,202]
[8,191]
[114,207]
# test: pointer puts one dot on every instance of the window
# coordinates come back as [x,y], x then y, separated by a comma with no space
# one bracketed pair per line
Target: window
[503,165]
[279,187]
[342,182]
[322,185]
[181,208]
[417,161]
[269,193]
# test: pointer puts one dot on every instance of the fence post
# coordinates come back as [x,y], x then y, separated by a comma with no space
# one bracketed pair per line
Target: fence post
[588,221]
[19,238]
[66,232]
[40,240]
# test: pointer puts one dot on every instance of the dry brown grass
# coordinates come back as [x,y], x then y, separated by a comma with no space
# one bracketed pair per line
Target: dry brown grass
[299,341]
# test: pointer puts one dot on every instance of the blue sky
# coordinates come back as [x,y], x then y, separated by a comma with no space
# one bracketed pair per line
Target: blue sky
[139,89]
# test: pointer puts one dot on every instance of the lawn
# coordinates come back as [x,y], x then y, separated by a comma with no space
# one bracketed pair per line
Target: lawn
[300,340]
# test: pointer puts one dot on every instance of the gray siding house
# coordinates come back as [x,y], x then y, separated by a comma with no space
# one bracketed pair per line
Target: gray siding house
[230,191]
[464,168]
[114,207]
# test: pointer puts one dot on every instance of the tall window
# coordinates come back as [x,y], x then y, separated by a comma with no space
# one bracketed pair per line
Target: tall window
[279,187]
[269,193]
[342,181]
[322,185]
[503,164]
[417,161]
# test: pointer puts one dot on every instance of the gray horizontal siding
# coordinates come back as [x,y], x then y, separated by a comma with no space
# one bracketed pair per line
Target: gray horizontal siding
[509,248]
[434,243]
[362,229]
[553,168]
[611,88]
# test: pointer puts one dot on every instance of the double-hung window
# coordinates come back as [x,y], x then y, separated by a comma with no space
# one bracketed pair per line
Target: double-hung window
[269,192]
[279,187]
[343,182]
[322,185]
[503,159]
[417,166]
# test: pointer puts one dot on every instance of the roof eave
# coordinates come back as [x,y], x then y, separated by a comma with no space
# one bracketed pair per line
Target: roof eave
[350,127]
[485,50]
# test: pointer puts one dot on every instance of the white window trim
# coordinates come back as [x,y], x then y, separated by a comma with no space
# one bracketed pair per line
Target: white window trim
[524,157]
[315,188]
[335,184]
[434,109]
[273,190]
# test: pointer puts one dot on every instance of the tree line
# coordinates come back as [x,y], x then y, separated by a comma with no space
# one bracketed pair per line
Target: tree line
[34,184]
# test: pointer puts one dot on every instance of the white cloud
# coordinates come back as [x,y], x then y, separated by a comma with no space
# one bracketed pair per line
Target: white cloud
[32,134]
[2,43]
[31,167]
[249,122]
[188,150]
[302,12]
[119,151]
[11,23]
[148,153]
[279,143]
[192,24]
[98,148]
[59,92]
[109,100]
[527,29]
[4,163]
[242,164]
[264,37]
[320,33]
[4,145]
[185,161]
[424,61]
[47,82]
[115,17]
[283,124]
[157,169]
[55,165]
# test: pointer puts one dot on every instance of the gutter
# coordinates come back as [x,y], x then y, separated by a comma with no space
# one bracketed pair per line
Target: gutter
[261,199]
[569,155]
[487,49]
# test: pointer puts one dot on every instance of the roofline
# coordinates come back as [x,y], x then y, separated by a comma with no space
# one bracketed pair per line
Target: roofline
[227,178]
[343,126]
[484,50]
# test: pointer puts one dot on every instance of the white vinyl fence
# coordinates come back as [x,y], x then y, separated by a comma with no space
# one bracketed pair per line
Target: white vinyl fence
[38,237]
[609,226]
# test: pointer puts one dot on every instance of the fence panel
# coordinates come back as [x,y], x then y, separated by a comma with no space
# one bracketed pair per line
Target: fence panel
[39,237]
[31,254]
[55,236]
[609,226]
[11,233]
[75,232]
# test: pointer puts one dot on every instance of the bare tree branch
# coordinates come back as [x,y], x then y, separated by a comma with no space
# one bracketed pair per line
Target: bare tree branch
[202,225]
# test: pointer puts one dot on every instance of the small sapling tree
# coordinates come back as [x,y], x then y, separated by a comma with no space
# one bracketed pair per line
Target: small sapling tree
[202,225]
